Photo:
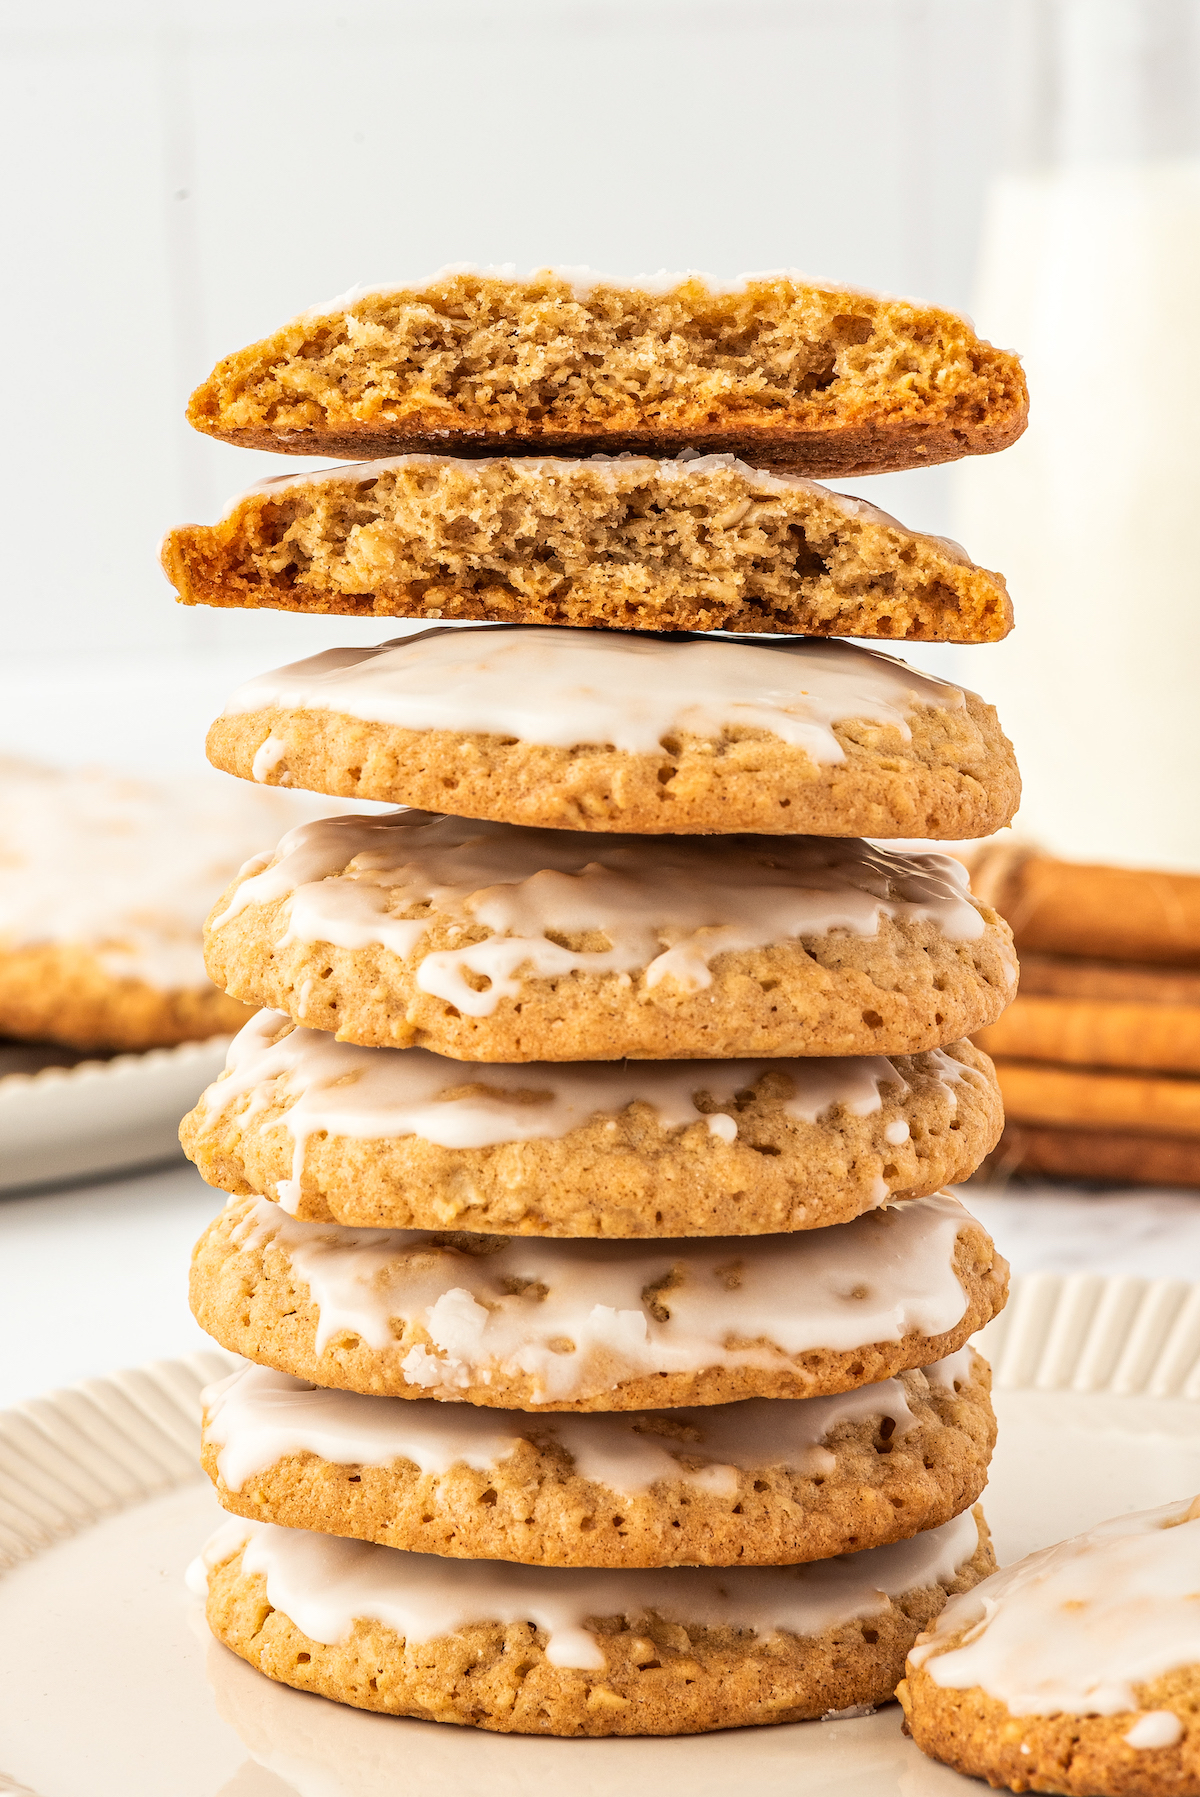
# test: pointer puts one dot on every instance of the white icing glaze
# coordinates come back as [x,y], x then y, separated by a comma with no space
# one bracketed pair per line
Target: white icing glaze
[575,1315]
[127,868]
[1157,1728]
[225,1541]
[267,757]
[257,1417]
[1073,1629]
[337,1089]
[621,470]
[628,691]
[666,904]
[324,1583]
[953,1371]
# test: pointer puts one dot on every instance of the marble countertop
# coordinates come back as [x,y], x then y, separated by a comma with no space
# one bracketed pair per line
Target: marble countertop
[94,1277]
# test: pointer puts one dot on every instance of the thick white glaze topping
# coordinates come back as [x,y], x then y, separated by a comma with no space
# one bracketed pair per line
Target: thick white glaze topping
[125,867]
[667,905]
[325,1583]
[580,1316]
[622,471]
[337,1089]
[257,1417]
[1075,1628]
[607,688]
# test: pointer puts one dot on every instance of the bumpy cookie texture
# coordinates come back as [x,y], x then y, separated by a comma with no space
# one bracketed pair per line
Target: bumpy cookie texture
[826,380]
[941,771]
[463,938]
[762,1483]
[1081,1672]
[400,1139]
[706,544]
[648,1673]
[524,1323]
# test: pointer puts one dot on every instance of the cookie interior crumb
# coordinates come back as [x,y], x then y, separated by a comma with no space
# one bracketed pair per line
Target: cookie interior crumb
[633,543]
[541,359]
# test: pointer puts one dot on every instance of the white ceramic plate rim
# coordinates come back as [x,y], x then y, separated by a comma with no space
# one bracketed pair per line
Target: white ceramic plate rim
[98,1117]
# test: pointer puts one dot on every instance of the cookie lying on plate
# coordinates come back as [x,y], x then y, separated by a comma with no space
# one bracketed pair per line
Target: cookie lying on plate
[487,942]
[605,730]
[104,884]
[1076,1670]
[527,1323]
[767,1482]
[700,544]
[775,369]
[403,1139]
[552,1651]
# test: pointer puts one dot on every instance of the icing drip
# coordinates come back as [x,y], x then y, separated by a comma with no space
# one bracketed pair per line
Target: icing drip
[953,1371]
[667,906]
[1076,1628]
[325,1583]
[125,867]
[1157,1728]
[337,1089]
[579,1317]
[257,1417]
[566,687]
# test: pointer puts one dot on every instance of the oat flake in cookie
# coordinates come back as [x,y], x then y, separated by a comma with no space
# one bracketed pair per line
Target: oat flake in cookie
[609,730]
[488,942]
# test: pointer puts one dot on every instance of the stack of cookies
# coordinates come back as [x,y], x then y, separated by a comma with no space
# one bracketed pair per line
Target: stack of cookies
[607,1326]
[1099,1057]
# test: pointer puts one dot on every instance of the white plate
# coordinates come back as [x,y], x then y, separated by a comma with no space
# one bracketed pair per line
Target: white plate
[111,1686]
[97,1117]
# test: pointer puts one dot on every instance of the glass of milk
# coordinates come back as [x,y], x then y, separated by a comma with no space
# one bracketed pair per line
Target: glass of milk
[1090,267]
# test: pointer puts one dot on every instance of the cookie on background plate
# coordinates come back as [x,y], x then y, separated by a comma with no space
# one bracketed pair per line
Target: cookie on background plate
[403,1139]
[105,880]
[487,942]
[704,543]
[530,1323]
[613,731]
[770,1481]
[774,368]
[1077,1669]
[553,1651]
